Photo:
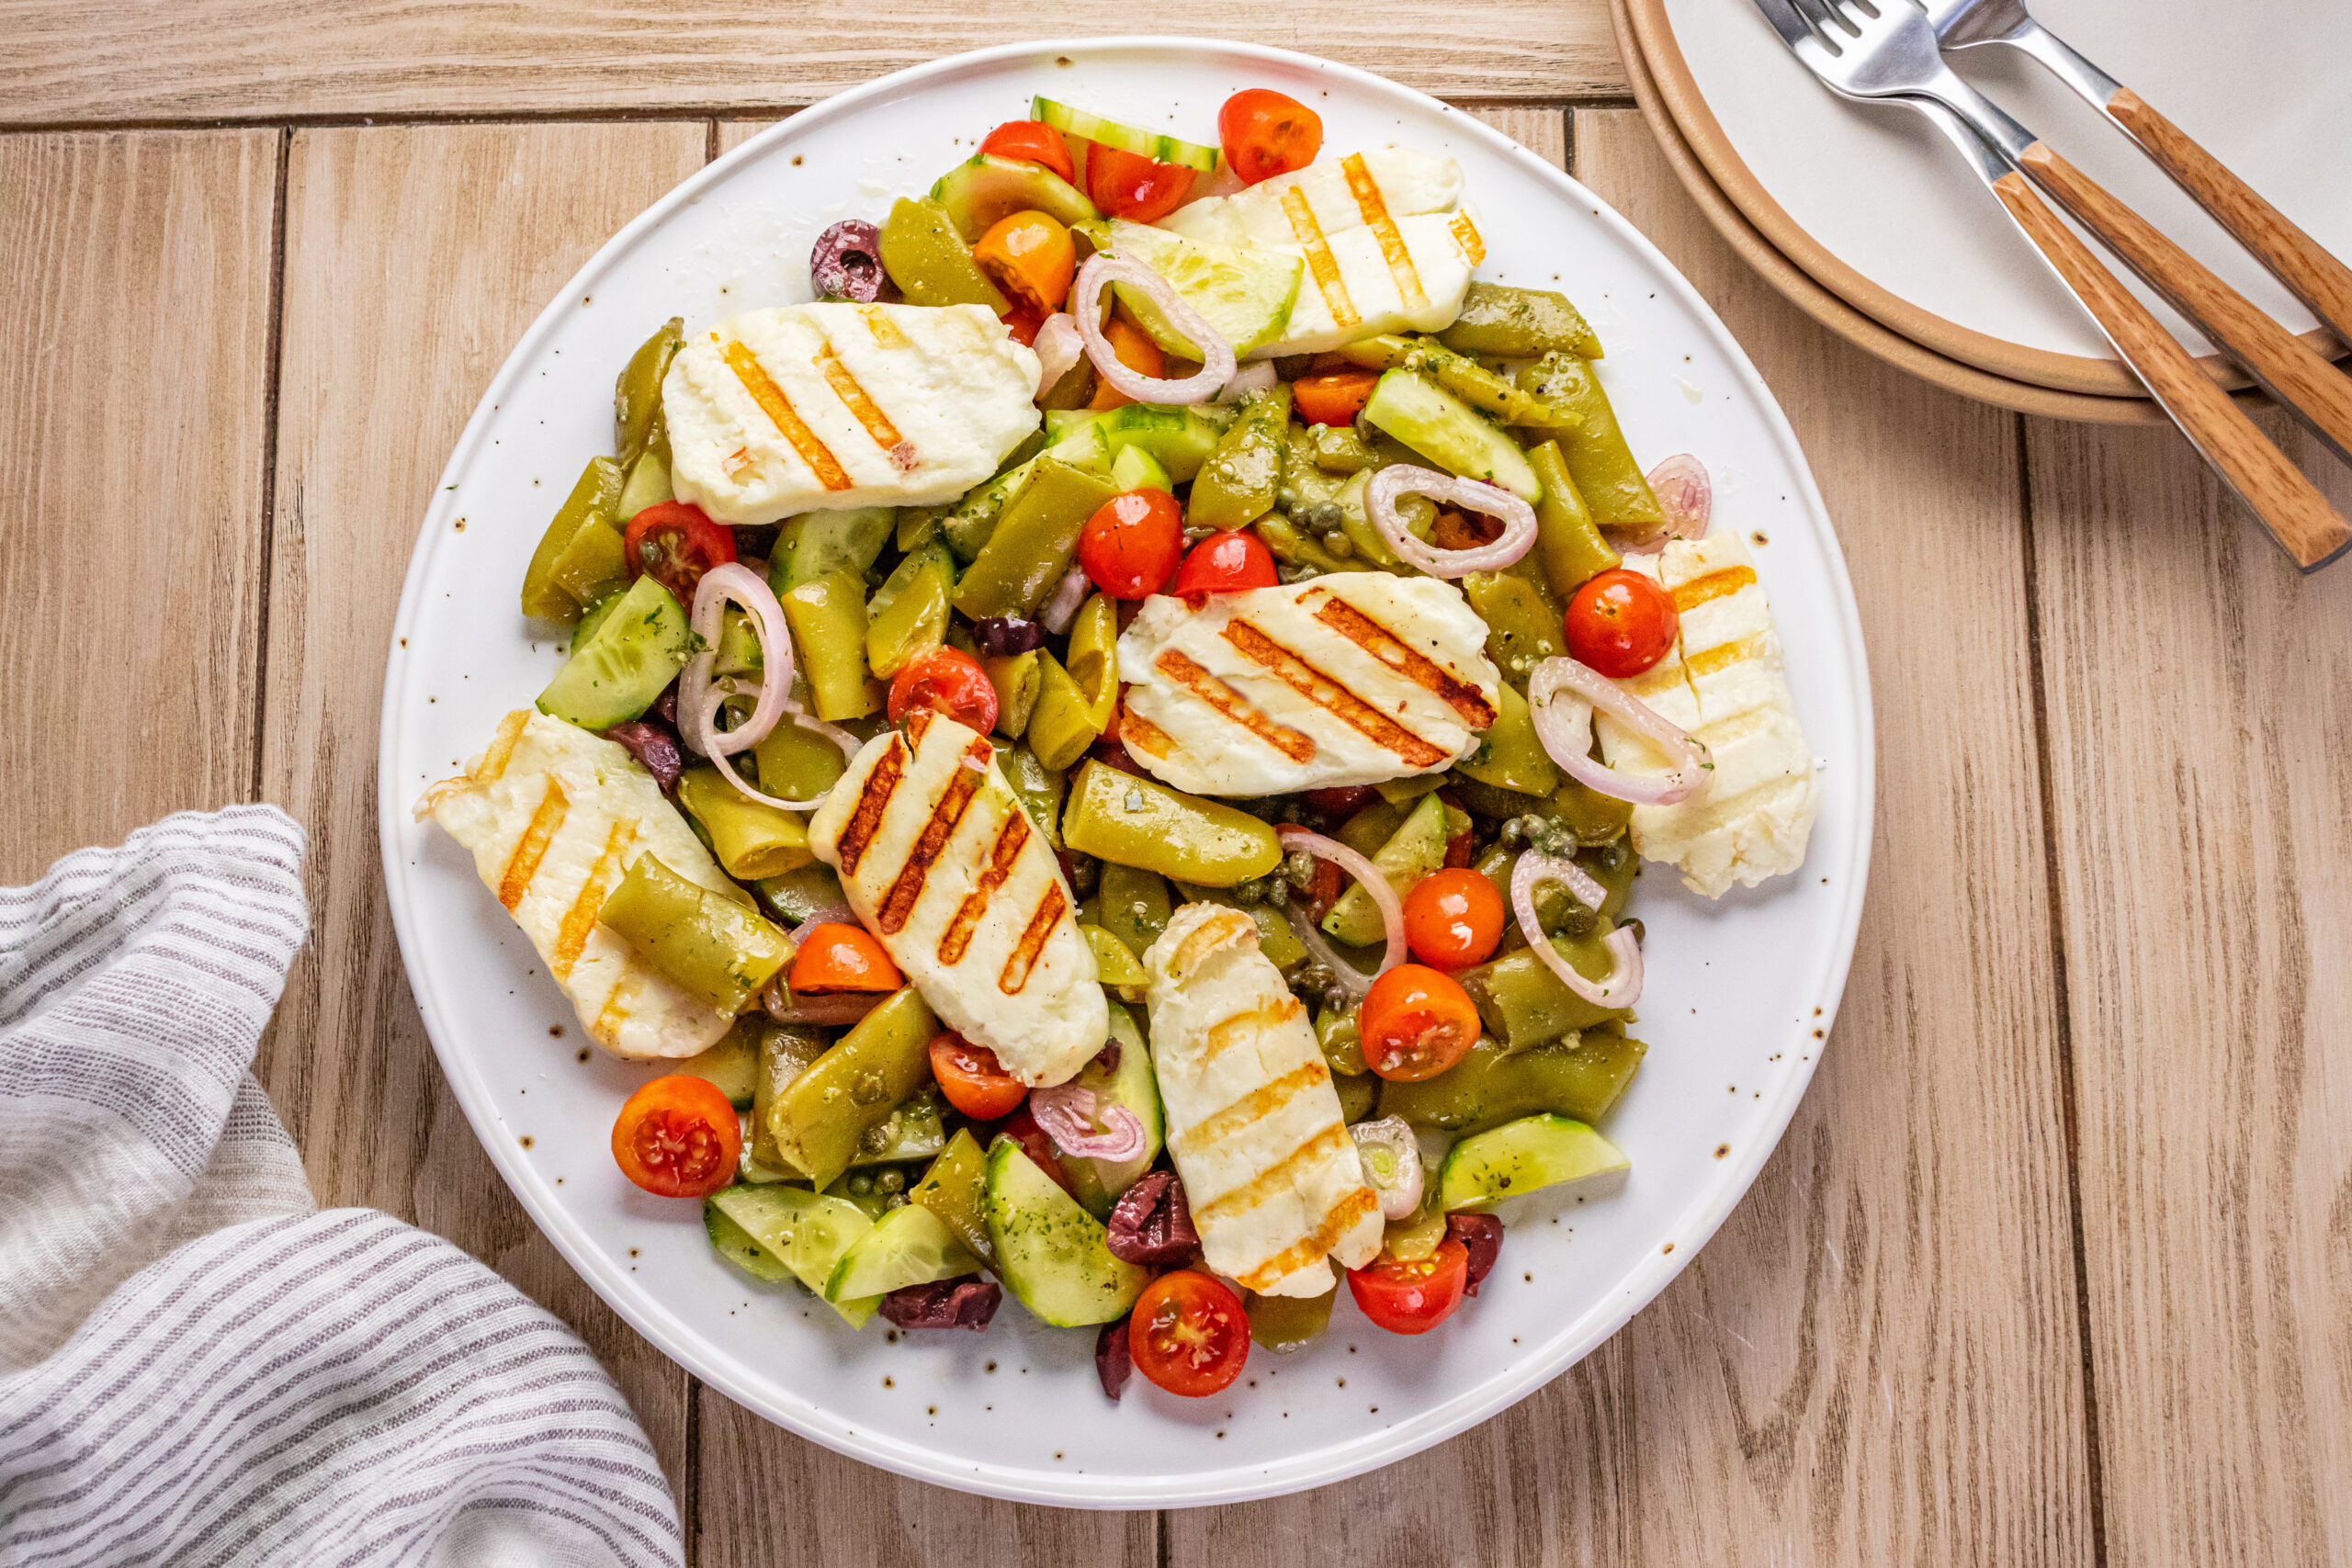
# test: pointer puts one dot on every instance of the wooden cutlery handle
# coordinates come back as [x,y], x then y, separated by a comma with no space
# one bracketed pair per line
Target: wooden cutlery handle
[2289,505]
[2310,271]
[2288,369]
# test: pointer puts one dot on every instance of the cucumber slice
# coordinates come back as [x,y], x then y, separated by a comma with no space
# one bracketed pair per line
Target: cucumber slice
[976,193]
[738,1246]
[1414,850]
[817,543]
[1245,294]
[1099,1182]
[1449,431]
[1181,440]
[911,1245]
[1050,1251]
[803,1231]
[1128,138]
[1522,1156]
[1132,468]
[733,1065]
[616,673]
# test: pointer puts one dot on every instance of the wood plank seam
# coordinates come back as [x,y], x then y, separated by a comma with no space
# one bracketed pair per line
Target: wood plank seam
[2069,1120]
[274,359]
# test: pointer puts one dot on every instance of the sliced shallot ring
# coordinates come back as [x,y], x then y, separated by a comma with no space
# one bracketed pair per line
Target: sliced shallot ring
[1400,1190]
[827,1010]
[1059,344]
[1375,885]
[1067,1111]
[1217,364]
[1622,988]
[740,583]
[1070,597]
[1517,517]
[1561,696]
[1687,497]
[702,731]
[1258,377]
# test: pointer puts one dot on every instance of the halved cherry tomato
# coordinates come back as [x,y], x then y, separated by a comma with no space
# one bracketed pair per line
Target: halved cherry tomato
[1224,563]
[1189,1333]
[1036,1143]
[1268,133]
[1621,623]
[1132,543]
[837,957]
[1024,325]
[1416,1023]
[678,1137]
[1032,140]
[1335,397]
[1134,348]
[1415,1296]
[1031,257]
[1130,186]
[1453,918]
[676,544]
[971,1080]
[948,682]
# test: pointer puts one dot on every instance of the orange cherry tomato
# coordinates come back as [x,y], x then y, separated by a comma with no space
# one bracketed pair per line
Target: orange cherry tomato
[1134,348]
[1130,186]
[1031,257]
[972,1080]
[837,957]
[1268,133]
[1224,563]
[1621,623]
[948,682]
[1453,918]
[1412,1297]
[1189,1333]
[678,1137]
[1032,140]
[1416,1021]
[675,543]
[1036,1143]
[1132,543]
[1334,398]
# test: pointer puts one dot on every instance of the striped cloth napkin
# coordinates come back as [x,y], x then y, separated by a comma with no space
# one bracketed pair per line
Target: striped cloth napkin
[195,1366]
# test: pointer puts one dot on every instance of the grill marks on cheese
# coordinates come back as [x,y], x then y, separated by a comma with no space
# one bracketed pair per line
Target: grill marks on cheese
[1320,266]
[781,413]
[1375,212]
[1353,679]
[553,816]
[937,859]
[1275,1184]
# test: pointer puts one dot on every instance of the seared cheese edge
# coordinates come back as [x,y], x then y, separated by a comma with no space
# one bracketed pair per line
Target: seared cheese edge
[553,817]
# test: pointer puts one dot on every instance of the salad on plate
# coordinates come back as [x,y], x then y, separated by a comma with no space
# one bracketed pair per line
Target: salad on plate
[1111,750]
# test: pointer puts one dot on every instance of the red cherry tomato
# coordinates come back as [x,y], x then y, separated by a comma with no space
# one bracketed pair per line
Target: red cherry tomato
[1266,133]
[1333,397]
[1416,1023]
[1132,543]
[676,544]
[1032,140]
[1621,623]
[970,1077]
[1130,186]
[1453,918]
[1224,563]
[1412,1297]
[948,682]
[1189,1333]
[678,1137]
[1036,1143]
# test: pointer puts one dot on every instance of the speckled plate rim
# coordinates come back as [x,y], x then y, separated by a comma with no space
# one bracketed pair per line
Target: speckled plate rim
[1690,1230]
[1678,90]
[1799,288]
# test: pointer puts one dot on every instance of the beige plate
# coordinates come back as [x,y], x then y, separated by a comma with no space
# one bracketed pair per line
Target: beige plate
[1833,313]
[1675,88]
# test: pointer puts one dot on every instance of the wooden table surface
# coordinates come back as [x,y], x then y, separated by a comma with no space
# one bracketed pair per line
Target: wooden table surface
[2054,1265]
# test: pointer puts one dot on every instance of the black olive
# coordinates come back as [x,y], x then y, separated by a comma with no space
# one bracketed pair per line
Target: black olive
[847,263]
[1004,635]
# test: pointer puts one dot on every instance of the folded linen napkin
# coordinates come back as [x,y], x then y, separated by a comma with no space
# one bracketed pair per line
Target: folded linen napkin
[196,1367]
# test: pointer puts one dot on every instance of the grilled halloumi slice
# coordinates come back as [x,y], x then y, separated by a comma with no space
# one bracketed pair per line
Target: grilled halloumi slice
[1408,276]
[1724,684]
[940,863]
[1333,194]
[1353,678]
[1274,1182]
[809,407]
[554,816]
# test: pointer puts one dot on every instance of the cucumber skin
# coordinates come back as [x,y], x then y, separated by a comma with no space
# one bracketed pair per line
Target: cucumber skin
[1050,1252]
[973,195]
[1125,138]
[594,698]
[1447,431]
[1553,1150]
[952,1257]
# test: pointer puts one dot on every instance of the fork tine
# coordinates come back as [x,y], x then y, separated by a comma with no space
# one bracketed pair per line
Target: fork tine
[1788,21]
[1837,17]
[1823,23]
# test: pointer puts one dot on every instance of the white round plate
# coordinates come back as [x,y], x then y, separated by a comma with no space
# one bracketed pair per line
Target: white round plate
[2260,84]
[1738,994]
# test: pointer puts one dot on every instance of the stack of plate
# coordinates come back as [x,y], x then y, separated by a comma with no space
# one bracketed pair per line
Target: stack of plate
[1871,224]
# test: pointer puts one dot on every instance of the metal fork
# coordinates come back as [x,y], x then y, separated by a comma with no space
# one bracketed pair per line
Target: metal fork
[2297,260]
[1886,52]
